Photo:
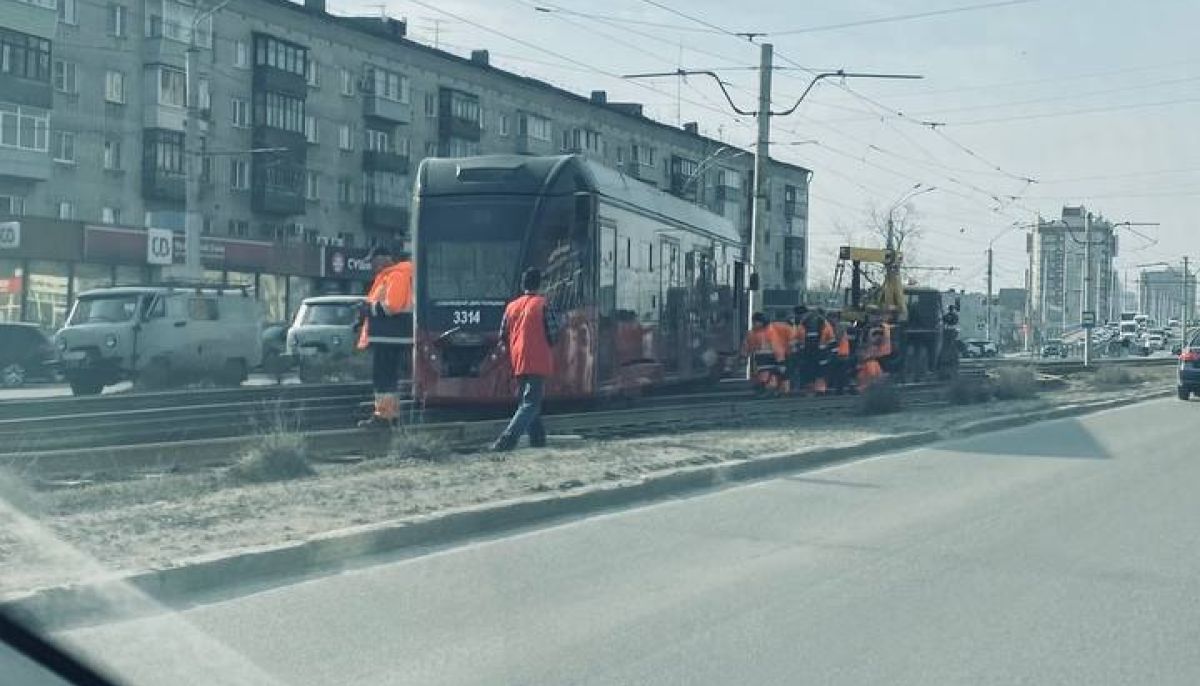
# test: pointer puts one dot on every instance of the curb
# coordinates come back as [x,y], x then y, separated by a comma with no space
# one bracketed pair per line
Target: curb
[141,593]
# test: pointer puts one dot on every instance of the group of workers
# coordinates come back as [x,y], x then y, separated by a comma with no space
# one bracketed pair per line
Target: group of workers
[815,352]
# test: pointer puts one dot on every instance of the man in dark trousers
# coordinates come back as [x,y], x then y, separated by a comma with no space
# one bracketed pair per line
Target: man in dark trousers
[529,331]
[386,328]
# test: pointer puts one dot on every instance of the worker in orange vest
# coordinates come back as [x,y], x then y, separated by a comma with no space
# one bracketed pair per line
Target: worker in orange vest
[386,329]
[812,337]
[870,371]
[528,331]
[840,366]
[767,346]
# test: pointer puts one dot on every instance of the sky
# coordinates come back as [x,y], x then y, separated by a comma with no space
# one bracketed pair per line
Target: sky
[1024,106]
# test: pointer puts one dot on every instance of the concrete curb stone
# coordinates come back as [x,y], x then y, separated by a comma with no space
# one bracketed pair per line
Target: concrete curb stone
[143,592]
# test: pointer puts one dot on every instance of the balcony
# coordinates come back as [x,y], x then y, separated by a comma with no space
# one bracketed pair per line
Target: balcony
[34,19]
[267,78]
[527,145]
[159,184]
[25,164]
[457,127]
[375,160]
[271,200]
[389,110]
[387,218]
[684,185]
[26,91]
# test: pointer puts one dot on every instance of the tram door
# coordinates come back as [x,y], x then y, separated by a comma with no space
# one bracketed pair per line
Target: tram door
[606,349]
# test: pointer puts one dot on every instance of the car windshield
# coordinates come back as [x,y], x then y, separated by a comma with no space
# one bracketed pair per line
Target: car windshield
[104,309]
[329,314]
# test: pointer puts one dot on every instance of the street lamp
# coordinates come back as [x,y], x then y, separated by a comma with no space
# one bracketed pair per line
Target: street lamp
[991,243]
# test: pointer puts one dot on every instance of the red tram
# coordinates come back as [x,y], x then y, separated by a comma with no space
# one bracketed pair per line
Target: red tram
[645,281]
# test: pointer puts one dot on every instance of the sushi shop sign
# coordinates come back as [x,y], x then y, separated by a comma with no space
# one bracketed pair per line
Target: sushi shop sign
[10,235]
[346,263]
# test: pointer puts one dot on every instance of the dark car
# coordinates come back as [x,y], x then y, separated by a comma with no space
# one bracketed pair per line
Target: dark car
[1189,368]
[26,354]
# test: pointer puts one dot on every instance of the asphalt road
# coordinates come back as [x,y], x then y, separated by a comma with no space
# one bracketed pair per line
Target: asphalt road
[1063,553]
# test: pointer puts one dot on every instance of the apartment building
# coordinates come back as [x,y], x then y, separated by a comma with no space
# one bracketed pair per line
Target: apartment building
[1057,250]
[312,127]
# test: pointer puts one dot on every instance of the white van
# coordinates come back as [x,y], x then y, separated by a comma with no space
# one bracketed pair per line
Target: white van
[159,336]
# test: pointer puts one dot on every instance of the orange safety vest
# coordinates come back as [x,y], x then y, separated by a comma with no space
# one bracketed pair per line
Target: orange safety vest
[772,339]
[843,346]
[392,288]
[528,348]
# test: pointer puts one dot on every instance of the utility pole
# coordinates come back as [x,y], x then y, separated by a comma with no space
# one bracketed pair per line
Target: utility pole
[1183,320]
[988,328]
[1087,288]
[758,218]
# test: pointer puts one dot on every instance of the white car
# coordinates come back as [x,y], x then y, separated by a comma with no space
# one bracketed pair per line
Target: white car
[1155,341]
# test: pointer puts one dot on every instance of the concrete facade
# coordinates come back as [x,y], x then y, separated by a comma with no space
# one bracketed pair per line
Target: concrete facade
[1057,284]
[1161,294]
[371,104]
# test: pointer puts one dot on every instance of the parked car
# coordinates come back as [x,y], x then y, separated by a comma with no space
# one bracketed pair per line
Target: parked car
[26,354]
[321,340]
[1155,341]
[159,336]
[1189,369]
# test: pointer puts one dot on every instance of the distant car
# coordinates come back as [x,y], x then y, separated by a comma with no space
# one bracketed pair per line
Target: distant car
[1054,349]
[321,340]
[1155,341]
[26,354]
[978,348]
[1189,368]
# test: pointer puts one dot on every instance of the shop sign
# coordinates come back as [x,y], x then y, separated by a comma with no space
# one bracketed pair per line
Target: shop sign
[346,263]
[211,251]
[10,235]
[10,286]
[160,246]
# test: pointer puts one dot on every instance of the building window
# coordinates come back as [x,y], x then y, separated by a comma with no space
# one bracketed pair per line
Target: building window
[241,54]
[345,191]
[789,201]
[385,188]
[65,77]
[239,175]
[167,150]
[279,111]
[206,169]
[110,215]
[464,106]
[347,80]
[535,127]
[379,141]
[387,84]
[430,105]
[314,78]
[241,113]
[312,185]
[272,52]
[66,210]
[461,147]
[27,128]
[203,94]
[24,56]
[346,137]
[430,149]
[502,125]
[310,129]
[117,20]
[642,154]
[66,11]
[112,154]
[400,145]
[62,146]
[12,205]
[239,228]
[171,84]
[114,87]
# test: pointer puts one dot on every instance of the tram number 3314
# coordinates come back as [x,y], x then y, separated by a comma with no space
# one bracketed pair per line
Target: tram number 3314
[466,317]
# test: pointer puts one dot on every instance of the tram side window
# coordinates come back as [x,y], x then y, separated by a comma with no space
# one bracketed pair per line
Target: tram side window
[562,247]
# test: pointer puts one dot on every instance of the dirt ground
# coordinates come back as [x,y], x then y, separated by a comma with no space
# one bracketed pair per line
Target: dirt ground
[162,521]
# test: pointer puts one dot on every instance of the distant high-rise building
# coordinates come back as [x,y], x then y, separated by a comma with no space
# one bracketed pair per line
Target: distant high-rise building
[1058,274]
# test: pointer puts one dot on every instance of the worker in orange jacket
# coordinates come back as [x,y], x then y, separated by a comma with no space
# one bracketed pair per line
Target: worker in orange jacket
[840,364]
[529,330]
[812,338]
[386,329]
[872,350]
[767,346]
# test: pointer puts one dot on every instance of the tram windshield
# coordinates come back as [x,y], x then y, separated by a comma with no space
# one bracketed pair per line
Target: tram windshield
[471,246]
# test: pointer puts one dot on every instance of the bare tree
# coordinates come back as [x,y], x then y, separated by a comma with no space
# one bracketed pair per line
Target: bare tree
[906,228]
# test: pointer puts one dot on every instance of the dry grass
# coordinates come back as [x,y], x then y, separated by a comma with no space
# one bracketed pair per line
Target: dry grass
[1115,376]
[964,390]
[879,398]
[1015,383]
[276,456]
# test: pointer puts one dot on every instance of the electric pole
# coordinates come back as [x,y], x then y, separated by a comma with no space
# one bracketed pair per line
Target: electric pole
[988,328]
[1087,289]
[1183,320]
[758,217]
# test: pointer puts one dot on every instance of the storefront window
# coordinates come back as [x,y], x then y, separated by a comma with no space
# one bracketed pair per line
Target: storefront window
[89,276]
[216,277]
[240,279]
[273,294]
[47,298]
[301,288]
[11,284]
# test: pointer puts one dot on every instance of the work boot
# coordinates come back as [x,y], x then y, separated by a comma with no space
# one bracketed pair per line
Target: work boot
[376,422]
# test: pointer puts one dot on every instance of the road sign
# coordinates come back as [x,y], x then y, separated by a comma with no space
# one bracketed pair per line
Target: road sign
[10,235]
[1089,319]
[159,246]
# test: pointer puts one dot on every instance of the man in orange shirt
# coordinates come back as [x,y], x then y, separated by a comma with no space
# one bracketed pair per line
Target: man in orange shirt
[387,330]
[766,346]
[529,331]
